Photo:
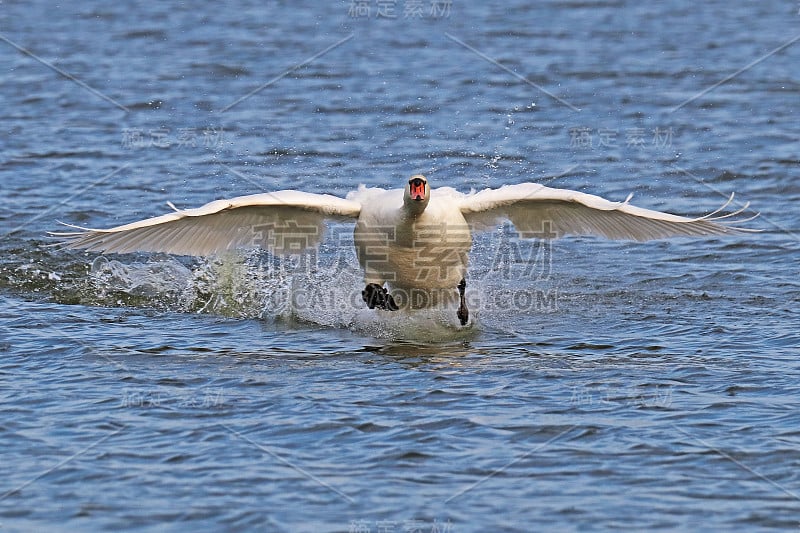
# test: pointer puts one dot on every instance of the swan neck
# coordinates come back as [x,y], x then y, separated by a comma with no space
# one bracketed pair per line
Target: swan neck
[414,208]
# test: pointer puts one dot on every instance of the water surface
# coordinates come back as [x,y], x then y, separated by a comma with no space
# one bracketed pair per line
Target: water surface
[605,385]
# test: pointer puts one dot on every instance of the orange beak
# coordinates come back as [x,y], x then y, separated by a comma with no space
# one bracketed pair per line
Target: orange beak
[417,189]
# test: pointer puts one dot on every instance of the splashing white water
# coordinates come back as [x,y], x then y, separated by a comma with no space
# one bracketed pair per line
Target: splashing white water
[508,279]
[245,286]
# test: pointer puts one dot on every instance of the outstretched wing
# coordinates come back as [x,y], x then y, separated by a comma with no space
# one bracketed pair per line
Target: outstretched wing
[282,222]
[545,213]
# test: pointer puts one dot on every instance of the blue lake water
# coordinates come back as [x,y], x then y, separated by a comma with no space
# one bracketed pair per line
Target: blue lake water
[605,385]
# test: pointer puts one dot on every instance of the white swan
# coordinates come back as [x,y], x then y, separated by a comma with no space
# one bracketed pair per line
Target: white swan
[414,239]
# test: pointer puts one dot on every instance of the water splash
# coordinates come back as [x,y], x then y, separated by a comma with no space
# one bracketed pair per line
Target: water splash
[252,286]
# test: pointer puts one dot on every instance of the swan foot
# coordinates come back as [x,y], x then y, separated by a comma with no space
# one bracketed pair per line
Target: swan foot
[375,295]
[463,312]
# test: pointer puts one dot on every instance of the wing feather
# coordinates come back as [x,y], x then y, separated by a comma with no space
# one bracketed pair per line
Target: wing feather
[543,212]
[282,221]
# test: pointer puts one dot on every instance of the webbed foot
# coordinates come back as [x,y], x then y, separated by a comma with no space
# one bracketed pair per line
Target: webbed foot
[463,312]
[375,295]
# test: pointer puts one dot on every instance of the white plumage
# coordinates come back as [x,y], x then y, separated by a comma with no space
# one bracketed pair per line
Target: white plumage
[412,238]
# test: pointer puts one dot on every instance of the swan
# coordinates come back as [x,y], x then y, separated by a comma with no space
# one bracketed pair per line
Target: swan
[413,240]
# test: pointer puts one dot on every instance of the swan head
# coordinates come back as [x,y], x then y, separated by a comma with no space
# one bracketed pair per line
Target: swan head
[417,194]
